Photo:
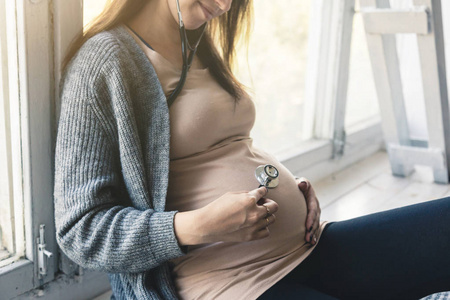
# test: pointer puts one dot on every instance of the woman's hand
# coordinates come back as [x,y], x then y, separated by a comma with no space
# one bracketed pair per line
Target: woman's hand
[234,217]
[312,203]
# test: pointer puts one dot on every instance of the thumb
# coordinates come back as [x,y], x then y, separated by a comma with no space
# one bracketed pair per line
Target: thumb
[259,192]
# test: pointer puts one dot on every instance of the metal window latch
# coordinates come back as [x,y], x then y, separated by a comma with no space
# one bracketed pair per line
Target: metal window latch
[43,254]
[339,142]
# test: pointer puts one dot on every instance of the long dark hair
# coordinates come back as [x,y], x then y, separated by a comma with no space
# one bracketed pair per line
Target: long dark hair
[216,50]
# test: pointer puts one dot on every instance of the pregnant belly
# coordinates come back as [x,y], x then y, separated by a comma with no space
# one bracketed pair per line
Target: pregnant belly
[198,180]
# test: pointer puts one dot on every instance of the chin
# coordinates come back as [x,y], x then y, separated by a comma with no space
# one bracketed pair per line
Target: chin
[193,26]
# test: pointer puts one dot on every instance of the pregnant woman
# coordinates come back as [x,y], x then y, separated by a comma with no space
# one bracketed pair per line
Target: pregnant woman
[155,184]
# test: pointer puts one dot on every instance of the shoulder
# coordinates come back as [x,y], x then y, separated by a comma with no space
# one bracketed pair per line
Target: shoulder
[109,56]
[104,48]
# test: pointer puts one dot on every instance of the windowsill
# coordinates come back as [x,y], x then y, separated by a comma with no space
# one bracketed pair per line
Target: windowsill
[87,286]
[13,278]
[312,159]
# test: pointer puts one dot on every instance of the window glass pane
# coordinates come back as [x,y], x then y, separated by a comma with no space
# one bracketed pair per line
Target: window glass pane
[6,225]
[7,244]
[362,101]
[92,8]
[277,63]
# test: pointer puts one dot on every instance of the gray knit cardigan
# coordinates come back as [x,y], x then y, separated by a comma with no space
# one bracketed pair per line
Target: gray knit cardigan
[111,168]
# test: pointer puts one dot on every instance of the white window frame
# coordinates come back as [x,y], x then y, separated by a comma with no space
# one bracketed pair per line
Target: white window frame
[329,147]
[44,30]
[31,97]
[12,235]
[29,85]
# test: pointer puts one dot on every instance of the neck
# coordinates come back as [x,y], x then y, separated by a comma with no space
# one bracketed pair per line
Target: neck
[156,25]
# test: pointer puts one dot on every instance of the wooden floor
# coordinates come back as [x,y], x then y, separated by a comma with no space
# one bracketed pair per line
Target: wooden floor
[367,187]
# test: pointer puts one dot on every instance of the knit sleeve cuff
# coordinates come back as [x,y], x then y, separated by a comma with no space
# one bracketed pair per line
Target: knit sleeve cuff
[162,238]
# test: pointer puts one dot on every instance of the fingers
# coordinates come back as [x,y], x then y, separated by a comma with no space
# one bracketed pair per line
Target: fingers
[313,214]
[264,206]
[311,236]
[269,205]
[312,203]
[307,190]
[312,221]
[258,193]
[265,222]
[259,230]
[262,234]
[262,229]
[312,230]
[303,184]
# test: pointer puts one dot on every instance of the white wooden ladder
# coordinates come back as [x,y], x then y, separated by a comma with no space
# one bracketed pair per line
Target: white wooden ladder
[425,20]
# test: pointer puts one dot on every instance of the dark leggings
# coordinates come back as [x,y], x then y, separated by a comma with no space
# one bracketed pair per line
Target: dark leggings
[402,253]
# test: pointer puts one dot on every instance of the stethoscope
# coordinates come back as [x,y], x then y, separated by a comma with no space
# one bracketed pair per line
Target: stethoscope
[187,60]
[267,175]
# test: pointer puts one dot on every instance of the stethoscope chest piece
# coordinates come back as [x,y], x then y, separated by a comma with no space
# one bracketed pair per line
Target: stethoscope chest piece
[267,175]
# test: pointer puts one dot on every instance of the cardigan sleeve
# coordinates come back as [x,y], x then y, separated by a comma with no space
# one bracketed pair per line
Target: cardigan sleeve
[96,227]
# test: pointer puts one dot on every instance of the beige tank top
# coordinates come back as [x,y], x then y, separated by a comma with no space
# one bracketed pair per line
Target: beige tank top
[212,153]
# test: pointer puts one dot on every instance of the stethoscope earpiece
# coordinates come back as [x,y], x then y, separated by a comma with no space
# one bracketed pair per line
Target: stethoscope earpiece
[267,175]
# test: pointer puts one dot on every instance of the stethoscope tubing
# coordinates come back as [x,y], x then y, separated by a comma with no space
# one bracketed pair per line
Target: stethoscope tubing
[187,60]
